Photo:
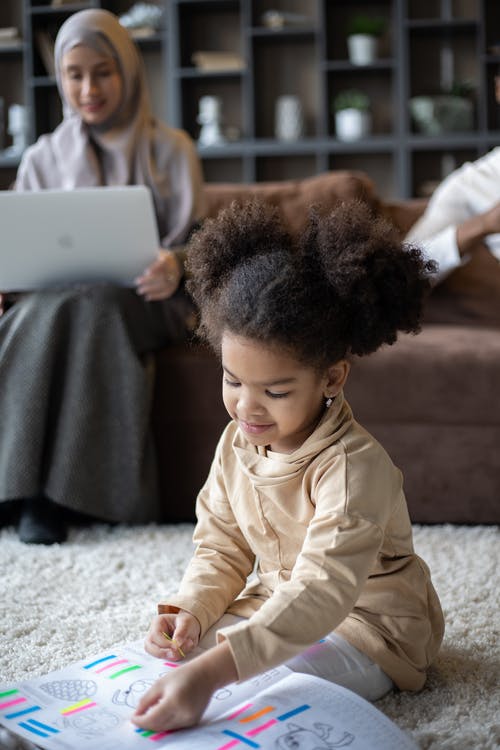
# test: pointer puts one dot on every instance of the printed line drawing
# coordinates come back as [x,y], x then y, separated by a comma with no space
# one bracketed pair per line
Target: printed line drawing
[132,695]
[70,690]
[92,724]
[301,738]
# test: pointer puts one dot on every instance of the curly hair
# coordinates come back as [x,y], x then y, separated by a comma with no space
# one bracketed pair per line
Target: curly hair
[346,286]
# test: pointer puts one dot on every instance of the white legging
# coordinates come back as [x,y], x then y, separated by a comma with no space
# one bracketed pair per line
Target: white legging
[333,659]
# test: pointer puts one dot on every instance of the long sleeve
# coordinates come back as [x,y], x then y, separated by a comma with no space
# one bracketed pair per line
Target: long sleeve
[470,190]
[338,552]
[185,204]
[222,560]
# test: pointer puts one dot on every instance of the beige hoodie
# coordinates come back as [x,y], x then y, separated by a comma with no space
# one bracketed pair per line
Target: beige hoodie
[328,531]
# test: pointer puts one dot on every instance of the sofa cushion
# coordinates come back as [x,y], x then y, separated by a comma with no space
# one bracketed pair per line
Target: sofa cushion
[429,399]
[470,295]
[294,197]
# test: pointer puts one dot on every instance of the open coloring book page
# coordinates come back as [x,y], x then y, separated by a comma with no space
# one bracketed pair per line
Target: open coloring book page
[88,705]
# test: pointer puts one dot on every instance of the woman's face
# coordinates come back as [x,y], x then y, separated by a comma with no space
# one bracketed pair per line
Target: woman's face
[92,84]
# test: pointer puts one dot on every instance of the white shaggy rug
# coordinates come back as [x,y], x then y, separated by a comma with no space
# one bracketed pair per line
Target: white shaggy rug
[62,603]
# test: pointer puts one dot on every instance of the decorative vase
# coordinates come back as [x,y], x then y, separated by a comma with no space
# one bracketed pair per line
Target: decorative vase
[362,48]
[352,124]
[289,119]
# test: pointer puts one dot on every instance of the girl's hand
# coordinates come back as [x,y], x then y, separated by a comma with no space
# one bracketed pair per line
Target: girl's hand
[176,700]
[2,304]
[161,279]
[172,636]
[179,698]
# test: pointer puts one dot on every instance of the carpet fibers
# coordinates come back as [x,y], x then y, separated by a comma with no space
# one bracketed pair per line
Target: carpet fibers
[64,602]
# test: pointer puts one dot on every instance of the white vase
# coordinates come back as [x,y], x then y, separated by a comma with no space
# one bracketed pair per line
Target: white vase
[362,48]
[352,124]
[289,119]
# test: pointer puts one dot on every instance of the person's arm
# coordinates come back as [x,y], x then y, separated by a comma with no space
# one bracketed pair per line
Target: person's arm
[472,232]
[179,699]
[223,560]
[185,206]
[455,223]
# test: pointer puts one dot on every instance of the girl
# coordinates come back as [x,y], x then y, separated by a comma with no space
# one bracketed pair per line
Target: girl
[298,490]
[78,356]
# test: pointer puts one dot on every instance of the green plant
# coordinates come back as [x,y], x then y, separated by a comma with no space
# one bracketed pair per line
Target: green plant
[351,99]
[464,89]
[363,24]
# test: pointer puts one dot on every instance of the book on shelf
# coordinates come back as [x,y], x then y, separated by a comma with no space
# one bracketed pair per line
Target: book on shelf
[9,36]
[89,704]
[58,3]
[45,47]
[217,61]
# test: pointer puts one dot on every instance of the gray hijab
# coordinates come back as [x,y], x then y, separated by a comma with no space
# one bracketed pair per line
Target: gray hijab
[131,148]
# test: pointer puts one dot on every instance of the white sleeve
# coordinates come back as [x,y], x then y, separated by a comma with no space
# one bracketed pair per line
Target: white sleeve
[436,230]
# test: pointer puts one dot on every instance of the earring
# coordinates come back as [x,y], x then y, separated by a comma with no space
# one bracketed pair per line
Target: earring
[329,402]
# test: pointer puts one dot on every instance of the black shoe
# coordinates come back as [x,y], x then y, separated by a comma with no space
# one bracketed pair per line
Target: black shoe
[9,512]
[42,522]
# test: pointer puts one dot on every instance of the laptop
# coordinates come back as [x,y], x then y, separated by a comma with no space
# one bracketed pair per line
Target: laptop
[54,238]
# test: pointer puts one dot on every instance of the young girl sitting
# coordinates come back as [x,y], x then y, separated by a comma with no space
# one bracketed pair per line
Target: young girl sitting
[298,491]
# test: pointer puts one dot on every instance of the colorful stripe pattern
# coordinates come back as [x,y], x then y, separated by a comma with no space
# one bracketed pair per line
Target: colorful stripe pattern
[150,735]
[38,728]
[110,663]
[12,699]
[246,739]
[77,707]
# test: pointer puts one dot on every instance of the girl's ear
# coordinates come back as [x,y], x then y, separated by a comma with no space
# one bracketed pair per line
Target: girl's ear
[336,377]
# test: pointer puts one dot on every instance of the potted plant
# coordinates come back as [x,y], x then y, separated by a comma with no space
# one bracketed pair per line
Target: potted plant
[363,32]
[452,110]
[351,108]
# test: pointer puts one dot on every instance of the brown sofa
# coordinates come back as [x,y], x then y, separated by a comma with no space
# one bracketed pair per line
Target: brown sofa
[430,399]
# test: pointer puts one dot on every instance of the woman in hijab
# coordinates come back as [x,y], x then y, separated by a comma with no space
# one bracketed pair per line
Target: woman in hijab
[75,366]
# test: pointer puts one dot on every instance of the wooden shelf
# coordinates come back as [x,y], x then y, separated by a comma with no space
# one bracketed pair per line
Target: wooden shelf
[308,61]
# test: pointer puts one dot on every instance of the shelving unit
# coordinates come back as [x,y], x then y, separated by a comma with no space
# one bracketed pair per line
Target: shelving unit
[11,85]
[426,46]
[426,42]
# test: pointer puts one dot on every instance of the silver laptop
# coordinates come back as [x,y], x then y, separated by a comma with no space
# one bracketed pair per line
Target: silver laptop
[58,237]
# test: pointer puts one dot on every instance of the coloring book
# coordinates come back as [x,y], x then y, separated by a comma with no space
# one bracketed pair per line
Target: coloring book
[88,705]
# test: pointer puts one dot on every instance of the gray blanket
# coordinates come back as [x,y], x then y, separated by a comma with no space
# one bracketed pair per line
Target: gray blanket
[76,388]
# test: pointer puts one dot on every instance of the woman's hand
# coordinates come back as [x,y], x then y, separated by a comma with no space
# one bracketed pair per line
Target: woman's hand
[2,303]
[172,636]
[492,219]
[472,232]
[179,698]
[161,279]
